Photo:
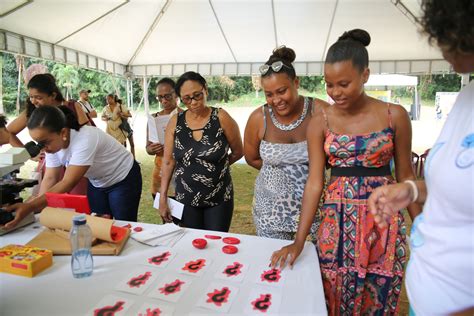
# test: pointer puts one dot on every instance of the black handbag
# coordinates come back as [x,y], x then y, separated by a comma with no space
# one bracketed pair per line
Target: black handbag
[125,126]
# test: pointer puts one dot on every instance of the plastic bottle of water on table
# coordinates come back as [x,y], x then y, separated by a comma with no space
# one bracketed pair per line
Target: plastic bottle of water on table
[82,263]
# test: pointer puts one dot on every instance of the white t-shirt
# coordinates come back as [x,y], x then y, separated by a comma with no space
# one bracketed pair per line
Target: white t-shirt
[109,161]
[440,273]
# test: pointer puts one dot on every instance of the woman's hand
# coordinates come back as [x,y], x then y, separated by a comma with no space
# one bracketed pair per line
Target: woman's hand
[21,209]
[385,201]
[155,149]
[164,211]
[280,257]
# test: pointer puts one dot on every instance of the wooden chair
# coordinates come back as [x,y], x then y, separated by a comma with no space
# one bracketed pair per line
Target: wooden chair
[421,163]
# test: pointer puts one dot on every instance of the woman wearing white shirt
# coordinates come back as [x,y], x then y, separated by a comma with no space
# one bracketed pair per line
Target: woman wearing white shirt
[115,181]
[440,273]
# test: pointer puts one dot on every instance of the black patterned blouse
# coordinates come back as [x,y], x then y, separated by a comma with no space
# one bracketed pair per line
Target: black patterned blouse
[202,167]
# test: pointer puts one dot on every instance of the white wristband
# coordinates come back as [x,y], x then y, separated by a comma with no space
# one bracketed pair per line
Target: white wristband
[414,188]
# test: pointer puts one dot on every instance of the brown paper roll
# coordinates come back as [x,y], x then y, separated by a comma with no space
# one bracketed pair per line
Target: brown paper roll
[61,218]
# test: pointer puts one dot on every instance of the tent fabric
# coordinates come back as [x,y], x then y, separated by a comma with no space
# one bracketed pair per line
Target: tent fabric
[168,37]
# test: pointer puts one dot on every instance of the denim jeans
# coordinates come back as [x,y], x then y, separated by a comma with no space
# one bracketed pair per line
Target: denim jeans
[120,200]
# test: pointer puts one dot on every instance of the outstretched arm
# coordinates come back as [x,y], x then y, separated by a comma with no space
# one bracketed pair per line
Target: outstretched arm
[311,196]
[385,201]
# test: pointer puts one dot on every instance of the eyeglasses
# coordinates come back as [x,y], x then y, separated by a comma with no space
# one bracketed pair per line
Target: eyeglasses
[276,67]
[167,97]
[197,96]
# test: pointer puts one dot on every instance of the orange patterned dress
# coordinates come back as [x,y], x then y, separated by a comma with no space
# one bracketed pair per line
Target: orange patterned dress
[362,265]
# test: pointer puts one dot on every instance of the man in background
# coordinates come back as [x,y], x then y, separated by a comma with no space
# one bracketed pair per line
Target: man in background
[86,106]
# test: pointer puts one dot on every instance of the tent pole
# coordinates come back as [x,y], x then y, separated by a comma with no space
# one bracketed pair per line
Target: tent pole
[416,115]
[464,80]
[128,92]
[131,95]
[20,67]
[145,96]
[2,111]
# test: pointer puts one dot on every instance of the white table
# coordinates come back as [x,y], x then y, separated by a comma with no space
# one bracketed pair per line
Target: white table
[55,292]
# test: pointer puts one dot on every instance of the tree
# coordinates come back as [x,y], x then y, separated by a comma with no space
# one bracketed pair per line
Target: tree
[312,83]
[66,76]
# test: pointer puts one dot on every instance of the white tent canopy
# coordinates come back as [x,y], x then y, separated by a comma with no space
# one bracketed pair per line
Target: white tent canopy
[214,37]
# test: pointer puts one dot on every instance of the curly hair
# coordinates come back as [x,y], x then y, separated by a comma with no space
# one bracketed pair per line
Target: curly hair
[449,24]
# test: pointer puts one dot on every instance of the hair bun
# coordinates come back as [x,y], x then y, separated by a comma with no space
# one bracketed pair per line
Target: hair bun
[357,35]
[284,53]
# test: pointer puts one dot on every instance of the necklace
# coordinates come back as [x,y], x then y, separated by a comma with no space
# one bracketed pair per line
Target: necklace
[293,125]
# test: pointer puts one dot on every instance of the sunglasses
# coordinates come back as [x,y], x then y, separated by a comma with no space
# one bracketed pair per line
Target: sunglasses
[276,67]
[197,96]
[167,97]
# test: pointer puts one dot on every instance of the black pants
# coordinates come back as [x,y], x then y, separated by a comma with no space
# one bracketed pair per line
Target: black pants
[209,218]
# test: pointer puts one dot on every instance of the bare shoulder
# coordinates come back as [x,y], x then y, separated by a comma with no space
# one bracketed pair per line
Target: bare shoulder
[397,110]
[257,114]
[173,121]
[223,114]
[320,106]
[318,120]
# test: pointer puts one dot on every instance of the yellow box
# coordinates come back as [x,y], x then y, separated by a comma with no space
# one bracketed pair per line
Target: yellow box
[24,260]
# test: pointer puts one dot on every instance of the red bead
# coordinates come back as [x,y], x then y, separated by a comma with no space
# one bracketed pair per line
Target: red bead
[199,243]
[212,237]
[231,241]
[229,249]
[138,229]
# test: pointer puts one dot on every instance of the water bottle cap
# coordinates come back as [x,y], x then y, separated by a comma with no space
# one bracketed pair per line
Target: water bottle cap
[79,219]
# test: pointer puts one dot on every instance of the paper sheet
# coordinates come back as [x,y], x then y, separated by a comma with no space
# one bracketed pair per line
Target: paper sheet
[232,271]
[161,309]
[152,130]
[161,259]
[137,281]
[111,305]
[176,207]
[156,128]
[263,301]
[171,287]
[218,297]
[164,235]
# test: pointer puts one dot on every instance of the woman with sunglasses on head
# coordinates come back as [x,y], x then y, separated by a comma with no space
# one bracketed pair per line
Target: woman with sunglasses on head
[275,144]
[200,145]
[115,181]
[440,273]
[43,91]
[357,137]
[166,96]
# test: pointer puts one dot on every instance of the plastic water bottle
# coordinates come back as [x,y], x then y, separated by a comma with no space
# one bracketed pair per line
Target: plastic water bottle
[82,263]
